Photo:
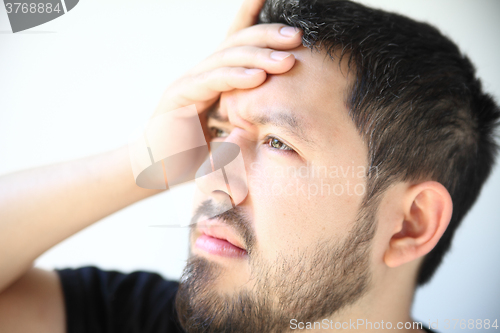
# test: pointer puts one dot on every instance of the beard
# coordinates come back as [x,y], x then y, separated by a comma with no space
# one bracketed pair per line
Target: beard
[307,285]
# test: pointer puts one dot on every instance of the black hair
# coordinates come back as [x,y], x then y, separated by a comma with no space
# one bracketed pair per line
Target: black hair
[415,100]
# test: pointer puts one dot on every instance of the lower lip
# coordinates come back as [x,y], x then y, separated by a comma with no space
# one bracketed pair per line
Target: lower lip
[219,247]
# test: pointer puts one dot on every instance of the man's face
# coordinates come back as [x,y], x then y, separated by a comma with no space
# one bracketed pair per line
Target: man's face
[298,227]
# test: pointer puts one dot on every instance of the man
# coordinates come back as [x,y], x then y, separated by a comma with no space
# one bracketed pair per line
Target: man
[395,136]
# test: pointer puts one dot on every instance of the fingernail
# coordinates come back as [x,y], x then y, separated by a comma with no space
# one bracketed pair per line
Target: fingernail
[278,55]
[289,31]
[253,71]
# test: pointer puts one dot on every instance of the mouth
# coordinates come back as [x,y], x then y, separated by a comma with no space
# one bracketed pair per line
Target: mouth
[218,239]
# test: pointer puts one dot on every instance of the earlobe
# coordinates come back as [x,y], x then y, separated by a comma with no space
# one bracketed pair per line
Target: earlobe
[427,211]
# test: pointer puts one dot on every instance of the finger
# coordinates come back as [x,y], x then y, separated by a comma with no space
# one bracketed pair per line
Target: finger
[203,89]
[274,35]
[273,62]
[246,16]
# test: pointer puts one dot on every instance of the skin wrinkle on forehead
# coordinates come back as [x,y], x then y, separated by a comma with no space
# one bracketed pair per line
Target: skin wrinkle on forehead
[286,120]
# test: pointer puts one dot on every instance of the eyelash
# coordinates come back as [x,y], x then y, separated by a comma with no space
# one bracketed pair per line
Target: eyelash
[268,141]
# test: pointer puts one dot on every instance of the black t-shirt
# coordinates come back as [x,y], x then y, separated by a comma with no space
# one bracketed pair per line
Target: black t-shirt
[111,302]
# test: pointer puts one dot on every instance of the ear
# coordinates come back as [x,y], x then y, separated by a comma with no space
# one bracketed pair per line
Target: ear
[427,209]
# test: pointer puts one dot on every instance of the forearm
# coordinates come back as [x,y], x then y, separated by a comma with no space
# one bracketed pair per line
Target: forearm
[41,207]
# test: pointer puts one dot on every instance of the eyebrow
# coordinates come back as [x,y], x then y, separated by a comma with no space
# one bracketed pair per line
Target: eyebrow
[285,120]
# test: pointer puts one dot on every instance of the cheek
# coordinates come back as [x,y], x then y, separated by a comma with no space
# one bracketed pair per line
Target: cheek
[294,209]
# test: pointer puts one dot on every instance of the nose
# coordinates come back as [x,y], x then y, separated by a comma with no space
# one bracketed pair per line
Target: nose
[222,176]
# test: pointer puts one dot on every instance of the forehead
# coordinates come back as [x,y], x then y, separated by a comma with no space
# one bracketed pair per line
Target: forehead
[314,90]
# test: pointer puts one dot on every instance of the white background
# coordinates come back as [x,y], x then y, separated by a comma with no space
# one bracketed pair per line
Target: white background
[80,84]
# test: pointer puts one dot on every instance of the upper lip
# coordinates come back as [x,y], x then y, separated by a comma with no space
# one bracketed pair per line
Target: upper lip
[216,229]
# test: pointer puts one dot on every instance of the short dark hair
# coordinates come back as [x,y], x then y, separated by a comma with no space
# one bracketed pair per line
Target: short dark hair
[415,100]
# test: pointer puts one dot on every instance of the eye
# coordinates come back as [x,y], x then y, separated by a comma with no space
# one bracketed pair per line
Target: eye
[218,133]
[275,143]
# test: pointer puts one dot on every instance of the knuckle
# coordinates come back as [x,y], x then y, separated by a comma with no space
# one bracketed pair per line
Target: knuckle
[249,54]
[232,71]
[264,54]
[222,55]
[218,56]
[230,39]
[272,30]
[249,51]
[201,78]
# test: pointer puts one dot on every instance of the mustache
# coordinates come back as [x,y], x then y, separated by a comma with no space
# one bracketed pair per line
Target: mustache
[235,218]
